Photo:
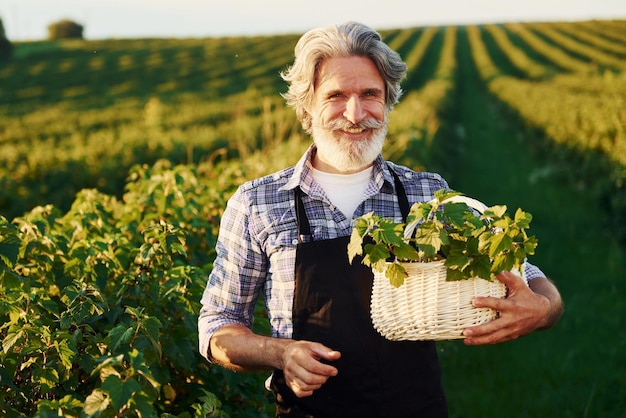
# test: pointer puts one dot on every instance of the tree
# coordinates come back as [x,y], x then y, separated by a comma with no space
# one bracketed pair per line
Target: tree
[6,47]
[65,29]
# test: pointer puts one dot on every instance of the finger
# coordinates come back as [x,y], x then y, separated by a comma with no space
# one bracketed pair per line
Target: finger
[511,280]
[304,382]
[303,368]
[329,355]
[302,388]
[500,336]
[321,352]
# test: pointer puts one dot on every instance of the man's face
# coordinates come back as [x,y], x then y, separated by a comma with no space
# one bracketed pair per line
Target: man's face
[349,118]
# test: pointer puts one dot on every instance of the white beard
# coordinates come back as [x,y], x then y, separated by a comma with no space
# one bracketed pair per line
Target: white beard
[348,155]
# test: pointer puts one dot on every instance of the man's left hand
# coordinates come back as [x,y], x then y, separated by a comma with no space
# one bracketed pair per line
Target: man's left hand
[524,310]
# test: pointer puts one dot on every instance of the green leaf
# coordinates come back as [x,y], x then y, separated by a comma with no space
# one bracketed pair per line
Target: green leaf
[406,252]
[46,377]
[387,232]
[9,247]
[523,219]
[96,403]
[456,213]
[120,391]
[355,246]
[142,404]
[457,261]
[530,244]
[429,239]
[119,335]
[503,262]
[497,211]
[102,275]
[136,312]
[500,243]
[210,403]
[396,274]
[11,339]
[375,253]
[66,353]
[453,275]
[178,248]
[151,325]
[481,267]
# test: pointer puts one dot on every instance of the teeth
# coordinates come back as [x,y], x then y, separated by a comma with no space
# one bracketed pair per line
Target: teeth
[354,130]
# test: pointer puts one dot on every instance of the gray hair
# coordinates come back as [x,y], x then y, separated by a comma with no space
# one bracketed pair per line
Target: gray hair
[348,39]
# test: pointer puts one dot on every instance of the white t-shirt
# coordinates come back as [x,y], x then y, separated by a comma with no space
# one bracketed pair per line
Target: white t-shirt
[345,191]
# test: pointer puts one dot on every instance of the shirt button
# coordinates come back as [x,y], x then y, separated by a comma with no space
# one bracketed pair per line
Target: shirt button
[332,207]
[408,175]
[294,241]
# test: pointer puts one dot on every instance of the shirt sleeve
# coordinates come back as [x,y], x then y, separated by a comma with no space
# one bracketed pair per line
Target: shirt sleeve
[531,271]
[236,279]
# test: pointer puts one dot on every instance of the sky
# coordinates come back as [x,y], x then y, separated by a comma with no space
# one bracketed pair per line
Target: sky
[26,20]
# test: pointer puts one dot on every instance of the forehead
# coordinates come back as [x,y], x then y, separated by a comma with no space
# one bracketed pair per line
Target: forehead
[343,73]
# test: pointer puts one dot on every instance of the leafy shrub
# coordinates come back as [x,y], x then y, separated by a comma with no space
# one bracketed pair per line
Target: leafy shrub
[98,307]
[65,29]
[6,47]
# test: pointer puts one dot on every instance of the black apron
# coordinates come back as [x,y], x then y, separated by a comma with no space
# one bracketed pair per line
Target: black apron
[377,377]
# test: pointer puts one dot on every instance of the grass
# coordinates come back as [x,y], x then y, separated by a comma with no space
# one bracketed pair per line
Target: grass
[575,369]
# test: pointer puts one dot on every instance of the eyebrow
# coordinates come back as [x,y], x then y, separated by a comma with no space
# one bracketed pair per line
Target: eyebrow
[373,90]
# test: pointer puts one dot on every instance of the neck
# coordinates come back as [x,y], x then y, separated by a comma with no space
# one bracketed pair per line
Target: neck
[320,164]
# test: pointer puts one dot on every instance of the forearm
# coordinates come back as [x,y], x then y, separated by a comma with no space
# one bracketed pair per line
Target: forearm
[237,348]
[546,288]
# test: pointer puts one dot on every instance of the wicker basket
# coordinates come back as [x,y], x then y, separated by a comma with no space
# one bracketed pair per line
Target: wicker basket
[426,306]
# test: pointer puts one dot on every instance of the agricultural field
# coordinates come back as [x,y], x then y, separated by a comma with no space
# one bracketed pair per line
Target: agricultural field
[117,158]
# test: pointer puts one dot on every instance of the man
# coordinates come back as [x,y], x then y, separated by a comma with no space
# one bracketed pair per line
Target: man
[286,234]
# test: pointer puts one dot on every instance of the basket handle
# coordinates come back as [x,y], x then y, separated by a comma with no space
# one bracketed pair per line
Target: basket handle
[472,203]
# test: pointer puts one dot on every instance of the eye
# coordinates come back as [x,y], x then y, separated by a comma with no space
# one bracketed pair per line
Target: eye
[372,93]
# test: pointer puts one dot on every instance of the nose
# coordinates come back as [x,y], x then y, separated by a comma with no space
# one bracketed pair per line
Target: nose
[354,112]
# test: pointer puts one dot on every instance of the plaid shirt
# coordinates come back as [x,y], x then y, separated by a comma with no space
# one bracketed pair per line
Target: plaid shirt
[256,247]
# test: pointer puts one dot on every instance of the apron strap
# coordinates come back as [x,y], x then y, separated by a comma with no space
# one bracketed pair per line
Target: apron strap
[304,228]
[403,201]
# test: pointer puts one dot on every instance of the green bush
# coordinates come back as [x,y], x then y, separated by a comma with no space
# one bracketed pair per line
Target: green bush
[6,47]
[65,29]
[98,307]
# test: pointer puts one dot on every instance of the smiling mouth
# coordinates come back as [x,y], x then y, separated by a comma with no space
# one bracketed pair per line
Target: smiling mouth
[355,130]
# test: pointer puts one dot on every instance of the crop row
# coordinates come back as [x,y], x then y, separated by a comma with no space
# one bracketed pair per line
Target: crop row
[583,117]
[79,114]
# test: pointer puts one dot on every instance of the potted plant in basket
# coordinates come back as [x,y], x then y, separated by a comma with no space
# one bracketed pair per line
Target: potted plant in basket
[452,239]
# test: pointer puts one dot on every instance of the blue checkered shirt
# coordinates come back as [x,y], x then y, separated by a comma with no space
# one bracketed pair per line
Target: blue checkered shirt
[256,247]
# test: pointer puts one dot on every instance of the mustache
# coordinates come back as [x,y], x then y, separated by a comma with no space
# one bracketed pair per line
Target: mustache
[340,124]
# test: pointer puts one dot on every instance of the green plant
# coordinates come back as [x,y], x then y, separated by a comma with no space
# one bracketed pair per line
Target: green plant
[472,245]
[6,47]
[98,306]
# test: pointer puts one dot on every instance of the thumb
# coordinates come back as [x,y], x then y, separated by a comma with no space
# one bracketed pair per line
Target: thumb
[327,354]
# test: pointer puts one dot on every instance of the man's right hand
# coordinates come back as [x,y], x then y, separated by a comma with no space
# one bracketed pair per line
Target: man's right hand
[302,368]
[236,347]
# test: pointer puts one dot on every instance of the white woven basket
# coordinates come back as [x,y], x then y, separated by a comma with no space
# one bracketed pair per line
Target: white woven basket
[426,306]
